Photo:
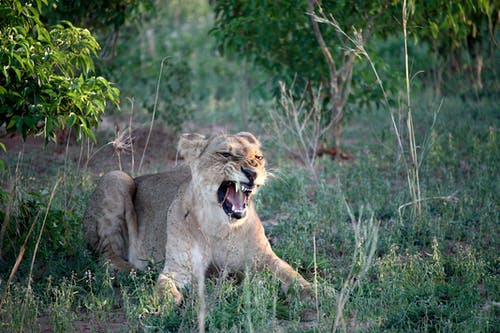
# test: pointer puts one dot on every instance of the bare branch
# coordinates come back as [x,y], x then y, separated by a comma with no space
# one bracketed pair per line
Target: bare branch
[332,71]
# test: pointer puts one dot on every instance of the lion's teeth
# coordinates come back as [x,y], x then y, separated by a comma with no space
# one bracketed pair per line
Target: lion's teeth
[239,211]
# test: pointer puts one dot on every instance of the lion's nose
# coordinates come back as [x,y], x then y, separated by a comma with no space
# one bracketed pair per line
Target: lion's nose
[250,174]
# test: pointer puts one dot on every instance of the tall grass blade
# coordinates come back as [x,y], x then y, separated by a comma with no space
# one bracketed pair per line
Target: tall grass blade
[154,113]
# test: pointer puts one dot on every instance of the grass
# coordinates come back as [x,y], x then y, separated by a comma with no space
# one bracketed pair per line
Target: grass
[437,275]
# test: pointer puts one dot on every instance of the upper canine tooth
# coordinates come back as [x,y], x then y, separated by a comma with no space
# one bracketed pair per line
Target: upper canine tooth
[238,187]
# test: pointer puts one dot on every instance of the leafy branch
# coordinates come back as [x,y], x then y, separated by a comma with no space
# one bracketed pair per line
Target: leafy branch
[47,79]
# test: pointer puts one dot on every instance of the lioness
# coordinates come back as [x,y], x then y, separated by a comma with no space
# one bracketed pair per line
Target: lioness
[198,214]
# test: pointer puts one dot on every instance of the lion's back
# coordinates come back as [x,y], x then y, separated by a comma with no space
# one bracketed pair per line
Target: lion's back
[153,197]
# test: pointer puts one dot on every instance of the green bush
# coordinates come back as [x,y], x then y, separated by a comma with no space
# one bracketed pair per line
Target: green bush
[62,234]
[46,81]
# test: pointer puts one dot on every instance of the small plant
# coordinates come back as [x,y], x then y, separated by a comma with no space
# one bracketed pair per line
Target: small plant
[431,289]
[365,238]
[19,310]
[301,123]
[61,304]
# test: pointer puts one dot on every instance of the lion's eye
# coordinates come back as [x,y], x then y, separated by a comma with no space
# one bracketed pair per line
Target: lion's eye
[225,154]
[259,157]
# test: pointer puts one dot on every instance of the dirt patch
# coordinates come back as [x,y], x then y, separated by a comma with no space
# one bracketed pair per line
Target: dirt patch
[115,321]
[113,150]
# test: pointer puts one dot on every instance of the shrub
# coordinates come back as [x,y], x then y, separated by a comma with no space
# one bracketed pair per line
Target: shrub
[46,81]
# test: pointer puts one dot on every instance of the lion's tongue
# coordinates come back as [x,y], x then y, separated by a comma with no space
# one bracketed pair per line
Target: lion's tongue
[237,199]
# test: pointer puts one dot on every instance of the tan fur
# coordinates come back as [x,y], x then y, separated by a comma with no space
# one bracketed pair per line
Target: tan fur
[175,218]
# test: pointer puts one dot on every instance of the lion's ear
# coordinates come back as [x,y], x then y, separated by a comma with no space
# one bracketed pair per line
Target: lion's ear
[191,145]
[249,137]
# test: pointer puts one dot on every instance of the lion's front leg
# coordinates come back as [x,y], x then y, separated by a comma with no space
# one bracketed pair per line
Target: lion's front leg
[180,270]
[288,277]
[169,284]
[265,258]
[285,273]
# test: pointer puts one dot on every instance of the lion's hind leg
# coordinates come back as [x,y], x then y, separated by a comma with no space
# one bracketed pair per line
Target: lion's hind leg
[109,221]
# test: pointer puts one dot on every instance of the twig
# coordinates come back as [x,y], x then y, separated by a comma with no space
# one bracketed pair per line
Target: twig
[302,123]
[201,301]
[35,251]
[8,208]
[19,259]
[413,174]
[131,100]
[154,113]
[449,198]
[324,49]
[316,303]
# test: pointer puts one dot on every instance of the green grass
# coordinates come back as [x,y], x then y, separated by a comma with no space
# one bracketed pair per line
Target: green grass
[438,273]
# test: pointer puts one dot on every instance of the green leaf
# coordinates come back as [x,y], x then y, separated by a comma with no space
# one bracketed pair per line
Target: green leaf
[18,73]
[71,119]
[11,124]
[20,128]
[434,30]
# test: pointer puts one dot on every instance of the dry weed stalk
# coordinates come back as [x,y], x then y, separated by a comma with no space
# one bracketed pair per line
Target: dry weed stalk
[299,122]
[315,284]
[12,193]
[132,158]
[89,151]
[47,210]
[413,170]
[35,251]
[157,93]
[122,143]
[412,163]
[202,309]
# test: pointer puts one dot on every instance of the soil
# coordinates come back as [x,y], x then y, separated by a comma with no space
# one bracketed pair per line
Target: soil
[114,322]
[110,152]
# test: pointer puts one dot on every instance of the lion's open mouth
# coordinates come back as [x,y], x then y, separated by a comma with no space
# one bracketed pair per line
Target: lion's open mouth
[234,197]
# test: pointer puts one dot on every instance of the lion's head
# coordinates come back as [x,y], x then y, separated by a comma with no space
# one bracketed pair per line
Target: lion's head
[226,169]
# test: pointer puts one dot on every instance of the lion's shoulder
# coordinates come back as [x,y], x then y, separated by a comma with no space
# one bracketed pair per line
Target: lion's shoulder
[160,189]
